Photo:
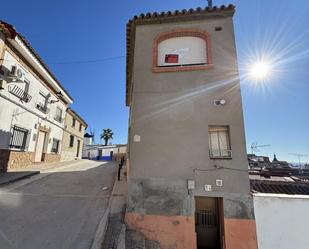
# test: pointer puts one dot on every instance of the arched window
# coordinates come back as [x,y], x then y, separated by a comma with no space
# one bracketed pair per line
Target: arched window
[181,50]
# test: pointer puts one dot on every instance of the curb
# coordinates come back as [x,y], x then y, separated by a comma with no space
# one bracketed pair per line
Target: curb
[101,230]
[121,243]
[20,177]
[102,227]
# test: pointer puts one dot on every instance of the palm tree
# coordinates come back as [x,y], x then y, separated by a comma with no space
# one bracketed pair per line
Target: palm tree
[106,135]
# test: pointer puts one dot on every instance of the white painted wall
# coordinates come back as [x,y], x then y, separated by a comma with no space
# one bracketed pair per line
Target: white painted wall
[12,114]
[282,221]
[93,150]
[191,50]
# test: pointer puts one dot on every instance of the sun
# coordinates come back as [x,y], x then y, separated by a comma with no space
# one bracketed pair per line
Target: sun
[260,70]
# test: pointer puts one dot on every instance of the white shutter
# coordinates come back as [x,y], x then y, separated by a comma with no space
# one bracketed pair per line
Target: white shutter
[223,140]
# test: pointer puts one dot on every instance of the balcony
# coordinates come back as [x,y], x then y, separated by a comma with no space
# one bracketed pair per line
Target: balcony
[58,119]
[220,154]
[42,108]
[19,93]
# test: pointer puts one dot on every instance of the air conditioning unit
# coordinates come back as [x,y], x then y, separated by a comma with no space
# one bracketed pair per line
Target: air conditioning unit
[17,74]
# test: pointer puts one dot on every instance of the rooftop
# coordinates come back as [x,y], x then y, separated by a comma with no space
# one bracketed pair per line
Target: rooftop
[279,187]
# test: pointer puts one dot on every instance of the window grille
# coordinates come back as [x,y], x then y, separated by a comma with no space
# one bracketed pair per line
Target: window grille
[19,138]
[55,146]
[206,218]
[58,116]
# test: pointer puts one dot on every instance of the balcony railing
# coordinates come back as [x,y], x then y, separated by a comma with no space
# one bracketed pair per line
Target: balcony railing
[58,118]
[19,93]
[42,107]
[221,154]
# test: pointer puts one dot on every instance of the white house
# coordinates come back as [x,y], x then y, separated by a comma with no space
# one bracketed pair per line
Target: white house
[103,152]
[32,104]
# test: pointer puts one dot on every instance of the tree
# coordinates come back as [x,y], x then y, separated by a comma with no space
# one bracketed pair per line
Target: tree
[106,135]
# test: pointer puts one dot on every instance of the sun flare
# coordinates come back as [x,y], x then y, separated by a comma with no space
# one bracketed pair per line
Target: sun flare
[260,70]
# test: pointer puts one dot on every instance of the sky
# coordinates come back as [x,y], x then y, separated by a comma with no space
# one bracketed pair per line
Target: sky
[83,42]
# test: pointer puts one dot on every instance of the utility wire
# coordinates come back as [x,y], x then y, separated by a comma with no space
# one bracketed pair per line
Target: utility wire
[87,61]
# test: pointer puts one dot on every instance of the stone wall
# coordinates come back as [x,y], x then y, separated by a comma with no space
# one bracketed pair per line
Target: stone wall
[51,158]
[10,159]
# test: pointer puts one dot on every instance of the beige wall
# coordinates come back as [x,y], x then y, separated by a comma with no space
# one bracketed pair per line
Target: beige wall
[171,112]
[170,115]
[69,153]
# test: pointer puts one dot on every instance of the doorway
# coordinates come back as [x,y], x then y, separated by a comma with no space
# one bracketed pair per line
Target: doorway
[78,148]
[40,146]
[209,223]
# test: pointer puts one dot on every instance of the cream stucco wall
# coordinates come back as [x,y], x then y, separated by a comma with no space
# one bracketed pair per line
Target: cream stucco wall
[171,112]
[70,153]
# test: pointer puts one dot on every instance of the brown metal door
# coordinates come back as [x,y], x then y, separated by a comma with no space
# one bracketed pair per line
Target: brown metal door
[207,223]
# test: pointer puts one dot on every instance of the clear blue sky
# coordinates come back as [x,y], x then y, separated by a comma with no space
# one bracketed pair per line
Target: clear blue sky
[276,112]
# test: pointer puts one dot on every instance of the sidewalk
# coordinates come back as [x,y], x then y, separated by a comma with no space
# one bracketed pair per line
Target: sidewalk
[44,167]
[114,237]
[13,175]
[116,234]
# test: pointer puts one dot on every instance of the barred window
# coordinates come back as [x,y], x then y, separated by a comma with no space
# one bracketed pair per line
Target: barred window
[219,142]
[58,116]
[19,138]
[55,146]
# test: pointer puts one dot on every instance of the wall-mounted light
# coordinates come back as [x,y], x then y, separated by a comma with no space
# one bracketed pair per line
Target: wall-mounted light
[58,94]
[219,102]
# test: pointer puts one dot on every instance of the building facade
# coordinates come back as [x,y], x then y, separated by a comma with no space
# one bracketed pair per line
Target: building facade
[33,104]
[281,205]
[104,152]
[73,136]
[187,163]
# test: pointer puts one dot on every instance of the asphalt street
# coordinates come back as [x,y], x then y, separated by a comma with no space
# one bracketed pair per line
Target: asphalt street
[59,209]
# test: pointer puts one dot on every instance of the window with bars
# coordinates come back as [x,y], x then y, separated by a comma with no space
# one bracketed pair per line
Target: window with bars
[58,116]
[42,105]
[19,138]
[55,146]
[219,142]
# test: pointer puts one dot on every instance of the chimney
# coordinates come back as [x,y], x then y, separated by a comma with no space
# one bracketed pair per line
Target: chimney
[209,3]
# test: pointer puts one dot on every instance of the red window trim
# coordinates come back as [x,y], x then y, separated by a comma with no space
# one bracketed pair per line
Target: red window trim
[180,33]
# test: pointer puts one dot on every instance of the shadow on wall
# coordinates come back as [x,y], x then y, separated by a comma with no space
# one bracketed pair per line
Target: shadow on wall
[5,137]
